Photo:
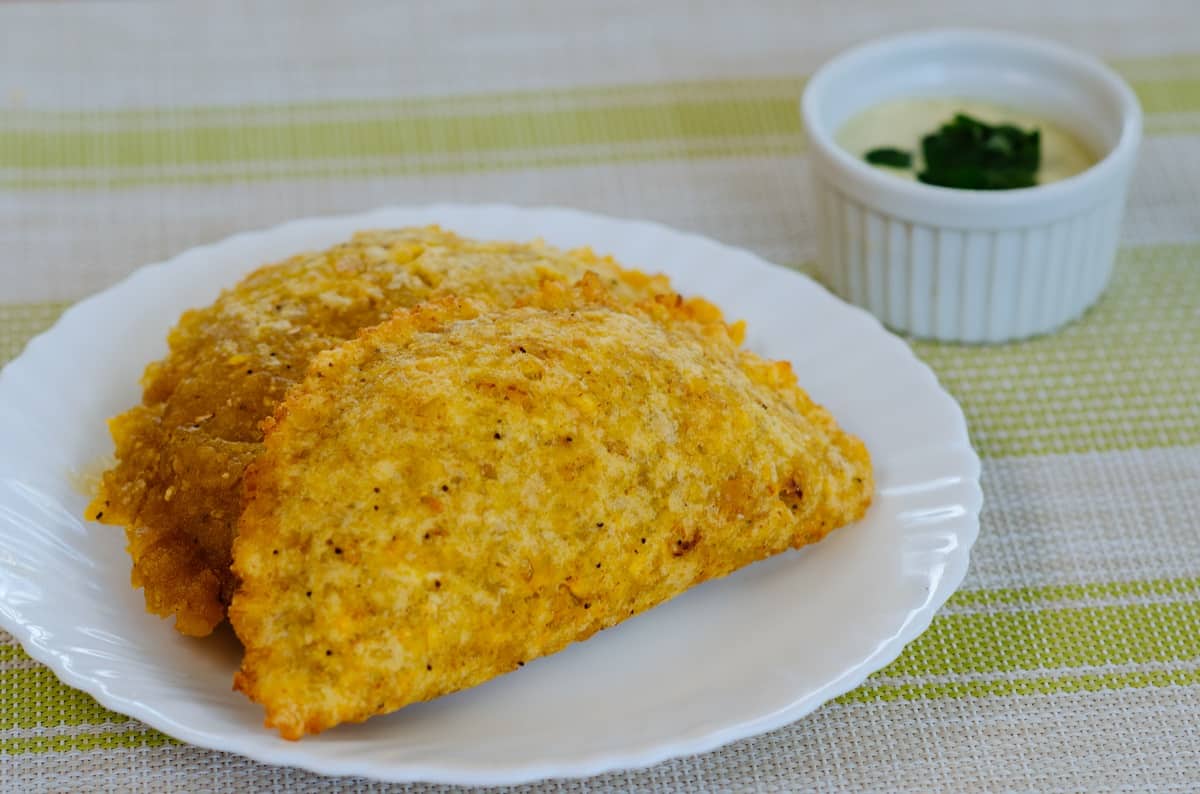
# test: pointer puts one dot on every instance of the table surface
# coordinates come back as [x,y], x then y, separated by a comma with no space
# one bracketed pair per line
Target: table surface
[1070,660]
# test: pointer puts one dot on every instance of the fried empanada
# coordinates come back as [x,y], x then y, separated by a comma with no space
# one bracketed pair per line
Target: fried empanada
[462,489]
[176,486]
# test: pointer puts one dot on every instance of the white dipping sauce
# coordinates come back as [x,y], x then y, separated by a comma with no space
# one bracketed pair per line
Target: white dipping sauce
[901,124]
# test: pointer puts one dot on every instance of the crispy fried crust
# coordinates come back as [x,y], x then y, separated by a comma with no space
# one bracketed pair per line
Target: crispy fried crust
[460,490]
[176,487]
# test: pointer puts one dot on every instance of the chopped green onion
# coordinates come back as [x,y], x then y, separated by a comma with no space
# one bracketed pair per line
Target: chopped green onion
[967,153]
[893,158]
[971,154]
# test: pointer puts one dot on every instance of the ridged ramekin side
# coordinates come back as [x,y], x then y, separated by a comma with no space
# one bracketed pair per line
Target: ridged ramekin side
[966,285]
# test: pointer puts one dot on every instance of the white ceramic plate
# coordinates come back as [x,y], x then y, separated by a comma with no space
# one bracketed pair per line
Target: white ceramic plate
[726,660]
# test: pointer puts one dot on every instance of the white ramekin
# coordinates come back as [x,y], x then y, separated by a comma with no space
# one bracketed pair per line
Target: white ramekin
[964,265]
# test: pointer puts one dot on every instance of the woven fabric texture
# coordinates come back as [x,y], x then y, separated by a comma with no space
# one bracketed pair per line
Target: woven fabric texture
[1070,659]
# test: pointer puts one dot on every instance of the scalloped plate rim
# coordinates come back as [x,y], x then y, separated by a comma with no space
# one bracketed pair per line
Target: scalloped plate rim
[917,621]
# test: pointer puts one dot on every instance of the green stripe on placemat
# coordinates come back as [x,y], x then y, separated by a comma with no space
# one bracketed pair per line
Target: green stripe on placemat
[1117,379]
[1054,639]
[1014,641]
[1048,649]
[413,136]
[1180,64]
[1039,650]
[145,737]
[34,696]
[605,124]
[1074,592]
[868,693]
[1016,687]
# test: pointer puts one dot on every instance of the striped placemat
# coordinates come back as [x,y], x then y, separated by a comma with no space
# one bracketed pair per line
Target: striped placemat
[1070,660]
